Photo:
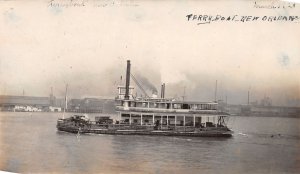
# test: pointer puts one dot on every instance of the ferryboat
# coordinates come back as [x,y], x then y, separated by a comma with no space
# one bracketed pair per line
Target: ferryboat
[153,116]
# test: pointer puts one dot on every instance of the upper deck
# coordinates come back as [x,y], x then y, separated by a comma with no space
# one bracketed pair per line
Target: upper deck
[171,106]
[127,103]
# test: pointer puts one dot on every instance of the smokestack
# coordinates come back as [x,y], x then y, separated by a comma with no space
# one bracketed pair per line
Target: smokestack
[161,91]
[216,89]
[127,81]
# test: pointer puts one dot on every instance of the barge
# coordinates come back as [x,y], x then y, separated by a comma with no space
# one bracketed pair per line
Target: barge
[153,116]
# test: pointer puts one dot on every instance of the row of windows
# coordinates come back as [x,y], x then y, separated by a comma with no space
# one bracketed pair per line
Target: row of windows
[173,105]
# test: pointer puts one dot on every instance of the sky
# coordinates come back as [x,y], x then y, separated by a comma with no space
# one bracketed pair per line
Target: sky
[49,44]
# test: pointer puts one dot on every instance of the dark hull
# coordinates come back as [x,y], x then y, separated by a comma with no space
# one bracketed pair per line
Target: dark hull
[146,132]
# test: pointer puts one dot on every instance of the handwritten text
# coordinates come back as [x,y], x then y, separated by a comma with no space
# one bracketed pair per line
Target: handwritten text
[207,19]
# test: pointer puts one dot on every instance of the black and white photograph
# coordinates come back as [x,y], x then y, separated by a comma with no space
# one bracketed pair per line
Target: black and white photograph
[142,87]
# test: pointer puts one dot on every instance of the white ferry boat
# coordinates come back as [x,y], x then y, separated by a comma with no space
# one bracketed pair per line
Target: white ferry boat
[153,116]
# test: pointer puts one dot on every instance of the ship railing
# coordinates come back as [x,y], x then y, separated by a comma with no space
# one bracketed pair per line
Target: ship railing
[123,126]
[143,109]
[132,127]
[190,128]
[151,127]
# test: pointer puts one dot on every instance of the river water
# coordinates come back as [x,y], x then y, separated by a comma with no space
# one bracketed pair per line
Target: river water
[30,143]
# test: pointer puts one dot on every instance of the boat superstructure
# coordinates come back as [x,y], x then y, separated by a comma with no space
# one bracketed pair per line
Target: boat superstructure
[155,116]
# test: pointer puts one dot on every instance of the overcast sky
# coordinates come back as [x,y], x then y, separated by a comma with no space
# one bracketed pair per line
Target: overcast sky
[87,47]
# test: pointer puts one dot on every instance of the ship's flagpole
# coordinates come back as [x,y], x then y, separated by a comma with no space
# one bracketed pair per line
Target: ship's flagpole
[66,102]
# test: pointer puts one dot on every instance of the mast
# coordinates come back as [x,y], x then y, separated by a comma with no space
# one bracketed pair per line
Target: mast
[66,101]
[51,97]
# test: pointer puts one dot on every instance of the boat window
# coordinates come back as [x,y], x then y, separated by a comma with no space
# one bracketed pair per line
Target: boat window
[201,106]
[168,105]
[205,107]
[185,106]
[214,107]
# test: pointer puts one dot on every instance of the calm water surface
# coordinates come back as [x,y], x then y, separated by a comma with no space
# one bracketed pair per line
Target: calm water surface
[30,143]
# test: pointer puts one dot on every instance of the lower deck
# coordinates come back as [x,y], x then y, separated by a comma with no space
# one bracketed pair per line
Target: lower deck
[146,124]
[192,120]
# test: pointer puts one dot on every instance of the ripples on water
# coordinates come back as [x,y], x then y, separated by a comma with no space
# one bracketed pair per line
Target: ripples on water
[29,143]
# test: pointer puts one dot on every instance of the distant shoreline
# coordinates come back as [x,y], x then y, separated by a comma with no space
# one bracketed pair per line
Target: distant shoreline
[266,115]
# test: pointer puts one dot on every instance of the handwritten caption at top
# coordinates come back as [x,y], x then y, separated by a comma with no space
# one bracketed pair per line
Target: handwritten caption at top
[91,3]
[207,19]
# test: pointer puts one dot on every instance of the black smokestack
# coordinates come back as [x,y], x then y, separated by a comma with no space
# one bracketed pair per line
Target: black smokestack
[164,90]
[127,81]
[161,91]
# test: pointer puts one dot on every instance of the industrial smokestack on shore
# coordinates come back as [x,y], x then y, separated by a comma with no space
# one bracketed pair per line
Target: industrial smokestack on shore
[127,81]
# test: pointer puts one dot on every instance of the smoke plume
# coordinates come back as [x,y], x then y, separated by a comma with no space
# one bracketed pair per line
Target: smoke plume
[146,84]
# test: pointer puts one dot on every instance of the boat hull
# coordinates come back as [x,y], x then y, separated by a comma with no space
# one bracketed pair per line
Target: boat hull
[146,132]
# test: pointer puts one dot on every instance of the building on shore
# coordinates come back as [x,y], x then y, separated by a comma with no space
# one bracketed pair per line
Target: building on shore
[23,103]
[55,109]
[91,105]
[259,110]
[53,104]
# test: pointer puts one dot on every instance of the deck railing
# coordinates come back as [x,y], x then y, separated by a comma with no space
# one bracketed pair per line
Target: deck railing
[153,127]
[142,109]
